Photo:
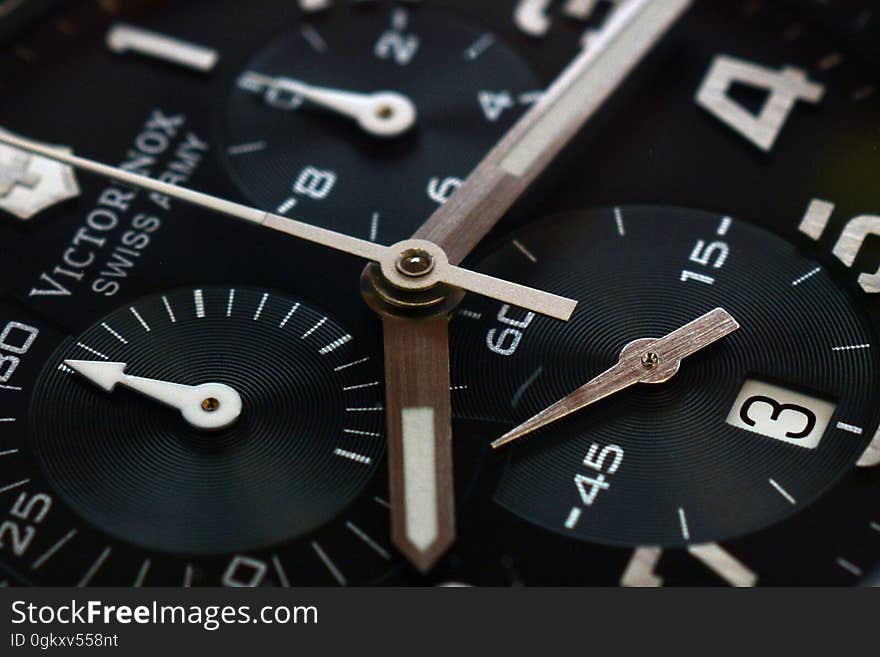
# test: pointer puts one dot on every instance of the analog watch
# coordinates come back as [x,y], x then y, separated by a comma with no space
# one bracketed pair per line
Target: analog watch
[431,292]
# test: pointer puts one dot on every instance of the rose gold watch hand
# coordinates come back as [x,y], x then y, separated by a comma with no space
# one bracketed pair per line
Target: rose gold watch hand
[649,360]
[419,437]
[538,137]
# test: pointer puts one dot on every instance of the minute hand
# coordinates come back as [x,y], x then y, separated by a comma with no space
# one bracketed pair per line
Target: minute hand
[538,137]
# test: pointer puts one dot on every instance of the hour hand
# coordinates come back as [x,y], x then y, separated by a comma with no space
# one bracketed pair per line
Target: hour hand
[419,437]
[381,113]
[209,406]
[648,360]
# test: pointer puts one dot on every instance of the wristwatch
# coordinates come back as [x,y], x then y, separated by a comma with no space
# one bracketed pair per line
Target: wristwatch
[439,292]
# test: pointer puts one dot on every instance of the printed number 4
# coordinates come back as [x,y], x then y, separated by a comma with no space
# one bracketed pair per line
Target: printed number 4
[785,89]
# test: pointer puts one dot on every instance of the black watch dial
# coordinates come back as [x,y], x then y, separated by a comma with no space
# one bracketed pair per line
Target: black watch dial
[293,157]
[187,400]
[750,430]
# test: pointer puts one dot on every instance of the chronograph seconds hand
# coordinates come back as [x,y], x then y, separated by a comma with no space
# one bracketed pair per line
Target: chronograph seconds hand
[391,259]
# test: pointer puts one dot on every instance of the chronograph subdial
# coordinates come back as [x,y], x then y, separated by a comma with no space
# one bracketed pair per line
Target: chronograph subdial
[329,117]
[751,429]
[295,451]
[207,435]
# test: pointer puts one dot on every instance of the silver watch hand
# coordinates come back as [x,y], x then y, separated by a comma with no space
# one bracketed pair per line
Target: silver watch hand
[649,360]
[396,261]
[209,406]
[538,137]
[381,113]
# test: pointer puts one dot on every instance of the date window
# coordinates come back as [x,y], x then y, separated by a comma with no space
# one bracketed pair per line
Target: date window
[782,414]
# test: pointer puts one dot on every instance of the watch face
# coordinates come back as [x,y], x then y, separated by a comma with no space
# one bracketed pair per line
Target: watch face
[191,400]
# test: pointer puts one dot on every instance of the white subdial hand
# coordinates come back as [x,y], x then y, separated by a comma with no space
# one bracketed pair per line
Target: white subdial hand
[381,113]
[209,406]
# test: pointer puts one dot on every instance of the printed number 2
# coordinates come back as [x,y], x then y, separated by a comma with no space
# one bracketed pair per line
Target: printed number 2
[395,44]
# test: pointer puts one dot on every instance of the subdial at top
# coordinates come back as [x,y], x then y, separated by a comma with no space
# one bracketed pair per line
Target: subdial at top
[327,118]
[749,431]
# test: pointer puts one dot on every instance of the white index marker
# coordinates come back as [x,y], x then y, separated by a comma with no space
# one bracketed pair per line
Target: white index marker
[122,38]
[420,480]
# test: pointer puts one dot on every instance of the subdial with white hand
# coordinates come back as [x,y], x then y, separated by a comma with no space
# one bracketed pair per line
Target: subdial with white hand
[367,118]
[281,427]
